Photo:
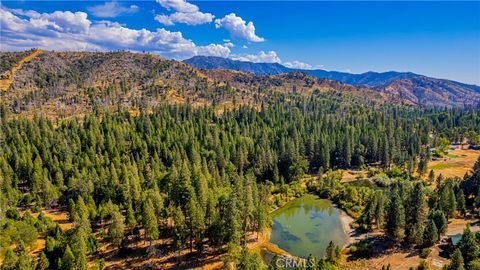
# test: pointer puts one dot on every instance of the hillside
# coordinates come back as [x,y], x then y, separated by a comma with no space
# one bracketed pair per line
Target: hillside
[72,83]
[433,92]
[405,86]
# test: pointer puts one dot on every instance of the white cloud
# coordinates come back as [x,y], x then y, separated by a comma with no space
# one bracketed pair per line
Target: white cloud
[298,64]
[111,10]
[59,30]
[185,12]
[178,5]
[244,47]
[193,18]
[271,57]
[261,57]
[238,28]
[214,50]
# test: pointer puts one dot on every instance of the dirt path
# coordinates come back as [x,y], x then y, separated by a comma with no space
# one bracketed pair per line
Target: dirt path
[5,83]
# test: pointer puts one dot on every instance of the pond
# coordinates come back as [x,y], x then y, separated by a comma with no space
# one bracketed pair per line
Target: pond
[306,226]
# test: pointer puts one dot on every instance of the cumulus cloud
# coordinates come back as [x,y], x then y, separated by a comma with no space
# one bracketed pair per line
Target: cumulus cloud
[298,64]
[65,30]
[193,18]
[261,57]
[178,5]
[271,57]
[185,12]
[111,10]
[238,28]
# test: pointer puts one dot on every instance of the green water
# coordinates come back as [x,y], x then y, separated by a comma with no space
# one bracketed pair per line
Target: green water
[306,226]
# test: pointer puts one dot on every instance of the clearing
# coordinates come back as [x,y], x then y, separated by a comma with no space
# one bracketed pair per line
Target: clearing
[456,164]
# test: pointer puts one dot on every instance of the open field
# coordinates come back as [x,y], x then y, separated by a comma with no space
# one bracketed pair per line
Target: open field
[457,164]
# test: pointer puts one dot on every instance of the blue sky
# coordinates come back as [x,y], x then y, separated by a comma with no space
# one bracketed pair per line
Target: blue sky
[439,39]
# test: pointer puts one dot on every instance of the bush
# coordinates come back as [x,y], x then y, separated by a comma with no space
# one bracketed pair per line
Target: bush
[424,252]
[382,180]
[12,213]
[362,250]
[474,265]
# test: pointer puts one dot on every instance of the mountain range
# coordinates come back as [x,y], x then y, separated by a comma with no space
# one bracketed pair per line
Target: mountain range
[63,84]
[416,88]
[371,79]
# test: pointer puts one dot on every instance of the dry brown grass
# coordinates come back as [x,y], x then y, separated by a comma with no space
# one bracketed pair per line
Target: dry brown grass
[457,166]
[401,260]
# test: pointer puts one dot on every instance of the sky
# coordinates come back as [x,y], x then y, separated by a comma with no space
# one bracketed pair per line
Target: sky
[438,39]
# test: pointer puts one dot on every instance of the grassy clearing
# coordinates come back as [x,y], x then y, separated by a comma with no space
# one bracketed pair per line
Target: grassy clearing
[441,166]
[459,162]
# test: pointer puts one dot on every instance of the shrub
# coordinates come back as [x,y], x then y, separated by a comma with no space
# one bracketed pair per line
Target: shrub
[424,252]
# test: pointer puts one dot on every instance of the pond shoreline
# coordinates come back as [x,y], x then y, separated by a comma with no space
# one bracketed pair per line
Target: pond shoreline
[346,221]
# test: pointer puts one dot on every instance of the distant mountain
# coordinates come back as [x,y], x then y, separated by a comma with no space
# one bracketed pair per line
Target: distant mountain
[212,62]
[415,88]
[367,79]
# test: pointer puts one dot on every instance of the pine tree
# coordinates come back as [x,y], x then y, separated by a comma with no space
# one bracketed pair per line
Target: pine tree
[333,253]
[457,261]
[461,204]
[448,202]
[468,245]
[452,204]
[417,215]
[79,248]
[116,230]
[68,259]
[179,229]
[131,220]
[440,221]
[431,177]
[196,222]
[43,262]
[9,260]
[149,221]
[395,227]
[422,165]
[374,211]
[386,158]
[476,202]
[24,262]
[430,236]
[233,216]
